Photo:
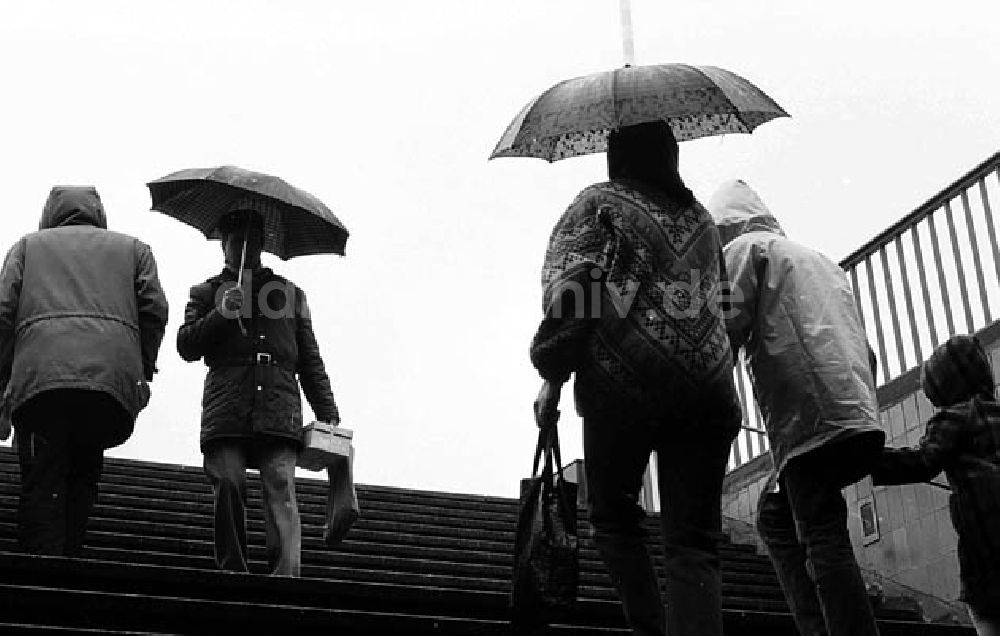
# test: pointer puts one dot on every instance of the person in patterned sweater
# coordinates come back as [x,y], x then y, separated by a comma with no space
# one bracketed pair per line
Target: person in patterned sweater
[963,440]
[632,290]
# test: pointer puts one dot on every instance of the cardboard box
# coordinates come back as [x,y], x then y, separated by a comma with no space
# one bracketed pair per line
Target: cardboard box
[323,444]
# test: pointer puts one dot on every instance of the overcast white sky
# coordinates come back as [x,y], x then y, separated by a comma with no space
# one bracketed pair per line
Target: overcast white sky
[387,110]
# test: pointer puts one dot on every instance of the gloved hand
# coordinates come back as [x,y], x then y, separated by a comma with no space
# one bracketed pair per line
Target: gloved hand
[546,411]
[232,302]
[144,393]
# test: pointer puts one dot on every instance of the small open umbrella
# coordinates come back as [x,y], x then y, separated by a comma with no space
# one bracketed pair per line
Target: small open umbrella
[575,116]
[295,222]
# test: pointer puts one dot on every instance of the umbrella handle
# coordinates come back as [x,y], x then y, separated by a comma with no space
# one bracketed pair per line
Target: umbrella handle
[239,277]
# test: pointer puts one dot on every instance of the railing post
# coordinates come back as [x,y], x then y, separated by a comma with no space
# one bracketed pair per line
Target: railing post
[976,261]
[945,301]
[877,318]
[928,311]
[908,297]
[857,296]
[963,288]
[990,229]
[893,314]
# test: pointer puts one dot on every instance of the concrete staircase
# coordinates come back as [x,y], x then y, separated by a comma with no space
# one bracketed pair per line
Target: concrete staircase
[416,563]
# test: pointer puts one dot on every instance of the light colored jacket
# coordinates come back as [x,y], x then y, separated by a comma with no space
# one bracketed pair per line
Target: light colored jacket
[81,307]
[795,317]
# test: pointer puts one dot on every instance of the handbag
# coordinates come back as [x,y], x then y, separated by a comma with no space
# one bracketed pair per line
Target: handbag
[342,508]
[546,547]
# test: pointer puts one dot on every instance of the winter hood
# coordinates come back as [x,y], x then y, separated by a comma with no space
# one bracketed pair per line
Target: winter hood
[957,370]
[737,210]
[73,205]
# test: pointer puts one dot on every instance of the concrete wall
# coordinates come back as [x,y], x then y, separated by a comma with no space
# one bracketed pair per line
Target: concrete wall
[916,543]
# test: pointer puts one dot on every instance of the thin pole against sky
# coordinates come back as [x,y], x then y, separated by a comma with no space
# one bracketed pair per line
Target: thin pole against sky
[628,49]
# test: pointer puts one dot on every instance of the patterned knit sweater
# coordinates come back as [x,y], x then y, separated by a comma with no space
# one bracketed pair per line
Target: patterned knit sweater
[631,297]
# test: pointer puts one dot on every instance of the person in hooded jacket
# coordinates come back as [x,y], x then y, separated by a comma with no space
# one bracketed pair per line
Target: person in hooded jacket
[257,347]
[794,315]
[963,440]
[631,299]
[82,315]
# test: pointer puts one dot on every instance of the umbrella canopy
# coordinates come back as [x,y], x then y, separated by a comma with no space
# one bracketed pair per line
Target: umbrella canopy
[295,222]
[575,116]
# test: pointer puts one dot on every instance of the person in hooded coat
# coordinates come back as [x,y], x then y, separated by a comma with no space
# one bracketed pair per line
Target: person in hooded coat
[794,315]
[631,290]
[258,344]
[82,315]
[963,440]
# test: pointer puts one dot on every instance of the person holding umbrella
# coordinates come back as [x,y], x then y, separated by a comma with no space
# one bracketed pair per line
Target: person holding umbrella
[254,331]
[633,291]
[652,373]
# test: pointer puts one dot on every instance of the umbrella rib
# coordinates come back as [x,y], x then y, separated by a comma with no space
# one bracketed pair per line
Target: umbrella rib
[736,109]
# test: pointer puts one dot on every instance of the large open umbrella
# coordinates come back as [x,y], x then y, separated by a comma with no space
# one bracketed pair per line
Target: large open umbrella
[295,222]
[575,116]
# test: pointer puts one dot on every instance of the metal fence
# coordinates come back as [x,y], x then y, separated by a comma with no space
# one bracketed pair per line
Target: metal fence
[933,274]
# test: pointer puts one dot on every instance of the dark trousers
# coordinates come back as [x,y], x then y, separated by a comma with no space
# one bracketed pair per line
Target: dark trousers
[691,467]
[225,465]
[61,457]
[804,526]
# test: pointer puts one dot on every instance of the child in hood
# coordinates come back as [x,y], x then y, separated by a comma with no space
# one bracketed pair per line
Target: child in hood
[963,440]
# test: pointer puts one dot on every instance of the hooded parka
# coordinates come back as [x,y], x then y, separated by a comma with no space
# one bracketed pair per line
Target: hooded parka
[793,312]
[81,307]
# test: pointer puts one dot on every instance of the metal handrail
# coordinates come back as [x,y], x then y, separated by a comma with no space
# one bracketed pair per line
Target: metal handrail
[888,235]
[951,280]
[895,325]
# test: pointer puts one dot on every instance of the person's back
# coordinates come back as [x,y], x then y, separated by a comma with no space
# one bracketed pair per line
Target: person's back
[82,315]
[793,313]
[645,271]
[801,333]
[653,372]
[78,322]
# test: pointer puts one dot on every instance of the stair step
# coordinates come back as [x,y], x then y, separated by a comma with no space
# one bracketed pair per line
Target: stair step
[13,629]
[416,562]
[156,581]
[199,525]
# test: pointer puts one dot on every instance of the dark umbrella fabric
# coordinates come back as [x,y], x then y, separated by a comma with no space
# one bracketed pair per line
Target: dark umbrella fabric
[296,223]
[575,116]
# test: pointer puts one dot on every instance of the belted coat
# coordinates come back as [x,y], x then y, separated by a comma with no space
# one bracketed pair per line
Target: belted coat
[252,387]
